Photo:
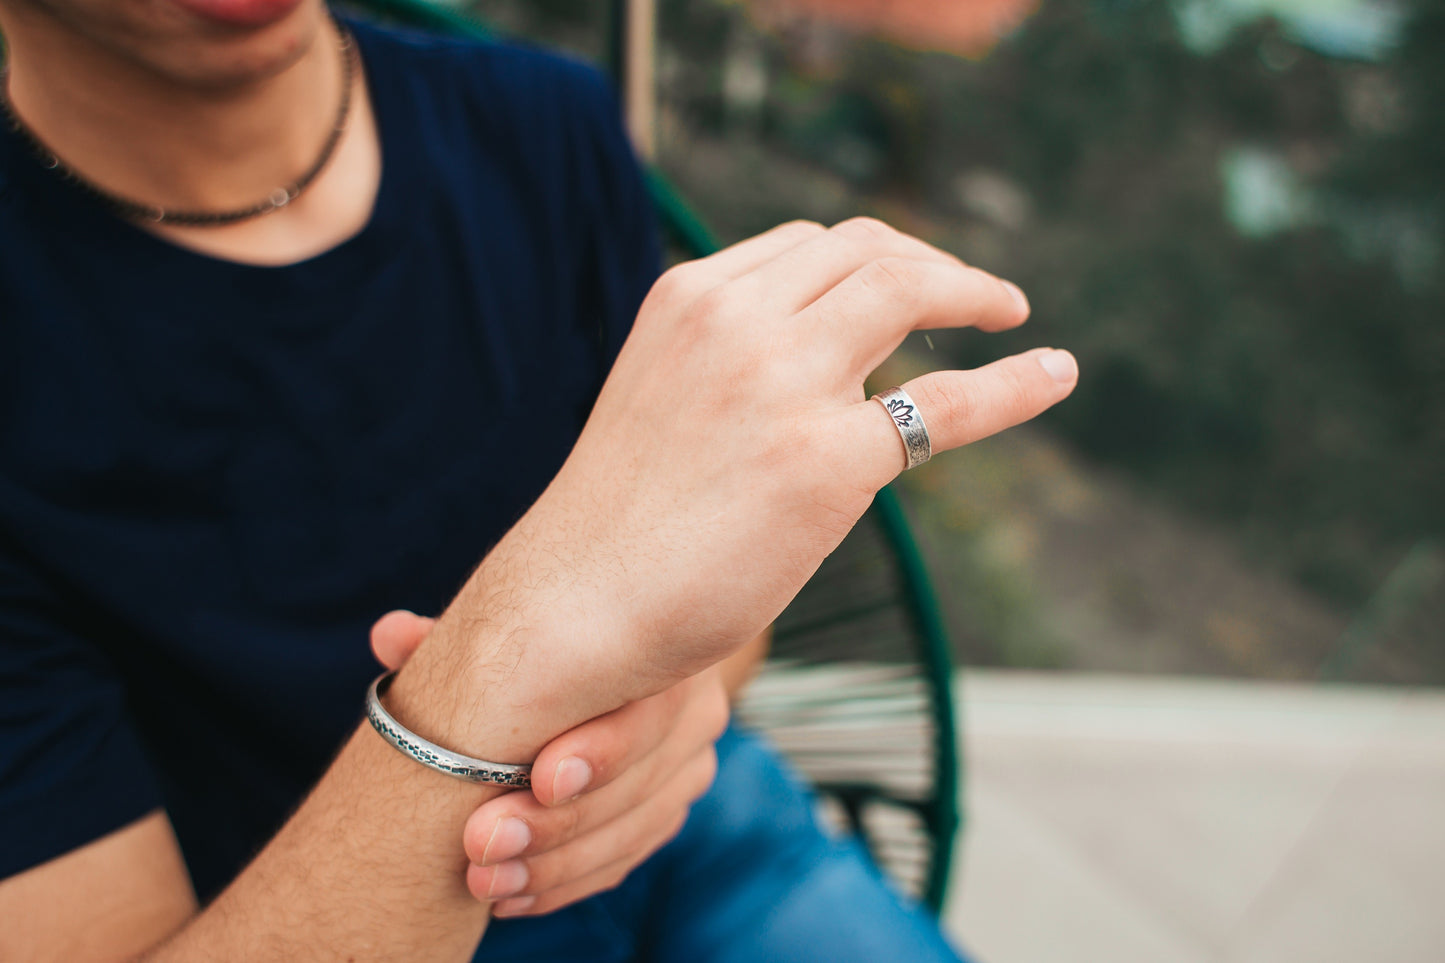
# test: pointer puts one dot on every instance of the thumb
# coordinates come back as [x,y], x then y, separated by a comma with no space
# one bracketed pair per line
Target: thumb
[396,635]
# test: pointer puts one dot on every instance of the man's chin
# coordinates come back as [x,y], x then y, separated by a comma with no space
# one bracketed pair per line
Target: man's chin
[236,41]
[240,13]
[201,44]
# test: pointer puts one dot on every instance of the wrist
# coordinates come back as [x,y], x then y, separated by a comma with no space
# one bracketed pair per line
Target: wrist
[473,691]
[499,677]
[542,637]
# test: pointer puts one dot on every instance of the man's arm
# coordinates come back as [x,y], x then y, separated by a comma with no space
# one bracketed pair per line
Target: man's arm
[370,867]
[110,900]
[127,892]
[730,452]
[75,911]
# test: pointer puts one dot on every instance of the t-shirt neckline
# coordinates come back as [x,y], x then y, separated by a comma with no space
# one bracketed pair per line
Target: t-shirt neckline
[77,203]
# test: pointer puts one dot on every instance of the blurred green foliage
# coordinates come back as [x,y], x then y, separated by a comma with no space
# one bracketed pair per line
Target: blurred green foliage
[1243,245]
[1290,384]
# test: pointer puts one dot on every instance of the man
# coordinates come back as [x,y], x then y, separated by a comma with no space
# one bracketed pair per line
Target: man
[299,319]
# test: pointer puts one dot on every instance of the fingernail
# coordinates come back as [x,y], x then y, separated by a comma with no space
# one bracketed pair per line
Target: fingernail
[1018,294]
[514,907]
[508,879]
[510,837]
[1060,365]
[572,776]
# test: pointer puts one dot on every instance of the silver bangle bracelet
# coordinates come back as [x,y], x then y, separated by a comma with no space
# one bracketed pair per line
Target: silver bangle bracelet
[433,756]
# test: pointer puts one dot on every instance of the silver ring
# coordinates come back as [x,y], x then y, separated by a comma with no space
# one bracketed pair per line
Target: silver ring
[917,449]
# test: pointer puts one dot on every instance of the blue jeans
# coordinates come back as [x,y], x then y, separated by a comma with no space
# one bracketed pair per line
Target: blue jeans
[751,878]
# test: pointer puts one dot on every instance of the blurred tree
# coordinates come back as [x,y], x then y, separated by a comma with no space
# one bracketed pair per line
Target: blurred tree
[1242,241]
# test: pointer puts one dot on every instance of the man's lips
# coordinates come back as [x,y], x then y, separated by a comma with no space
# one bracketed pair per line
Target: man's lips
[241,13]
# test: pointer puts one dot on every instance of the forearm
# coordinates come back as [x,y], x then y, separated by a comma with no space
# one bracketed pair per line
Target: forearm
[371,865]
[368,868]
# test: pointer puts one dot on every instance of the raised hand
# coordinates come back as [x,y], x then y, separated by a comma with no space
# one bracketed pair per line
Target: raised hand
[730,451]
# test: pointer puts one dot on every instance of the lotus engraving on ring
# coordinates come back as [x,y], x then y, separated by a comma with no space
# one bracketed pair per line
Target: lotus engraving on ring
[917,448]
[901,411]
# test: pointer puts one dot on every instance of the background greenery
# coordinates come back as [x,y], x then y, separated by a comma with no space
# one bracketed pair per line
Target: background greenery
[1236,222]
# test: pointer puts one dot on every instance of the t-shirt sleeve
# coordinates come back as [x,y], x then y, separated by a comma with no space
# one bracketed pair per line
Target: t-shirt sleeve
[624,255]
[72,768]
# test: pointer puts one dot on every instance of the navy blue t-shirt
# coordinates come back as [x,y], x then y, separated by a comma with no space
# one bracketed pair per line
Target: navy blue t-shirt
[214,477]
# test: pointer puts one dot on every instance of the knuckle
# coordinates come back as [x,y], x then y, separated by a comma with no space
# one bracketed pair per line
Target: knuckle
[555,825]
[673,828]
[803,228]
[670,285]
[865,229]
[541,876]
[477,882]
[1017,392]
[557,870]
[945,399]
[1003,393]
[893,278]
[541,907]
[711,310]
[567,823]
[612,881]
[607,753]
[680,283]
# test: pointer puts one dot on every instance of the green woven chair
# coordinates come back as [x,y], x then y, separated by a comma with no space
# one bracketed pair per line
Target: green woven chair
[857,687]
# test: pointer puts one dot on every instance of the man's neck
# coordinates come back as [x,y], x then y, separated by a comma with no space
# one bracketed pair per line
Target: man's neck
[221,144]
[137,133]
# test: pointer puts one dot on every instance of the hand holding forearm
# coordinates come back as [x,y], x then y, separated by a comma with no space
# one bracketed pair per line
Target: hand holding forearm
[605,795]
